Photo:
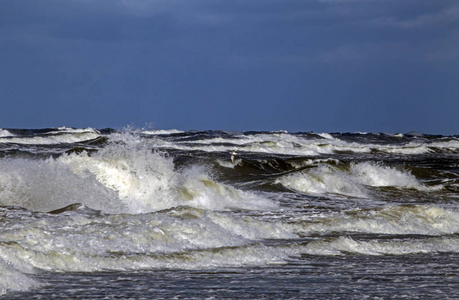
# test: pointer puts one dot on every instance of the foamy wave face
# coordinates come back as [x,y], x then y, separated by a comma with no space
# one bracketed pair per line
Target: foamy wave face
[326,179]
[12,279]
[59,136]
[5,133]
[304,145]
[376,175]
[48,185]
[125,176]
[418,219]
[147,181]
[452,145]
[183,238]
[190,238]
[162,132]
[276,143]
[346,245]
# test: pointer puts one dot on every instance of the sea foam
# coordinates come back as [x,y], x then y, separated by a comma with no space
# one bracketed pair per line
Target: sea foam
[403,219]
[5,133]
[345,245]
[124,176]
[352,182]
[62,135]
[183,237]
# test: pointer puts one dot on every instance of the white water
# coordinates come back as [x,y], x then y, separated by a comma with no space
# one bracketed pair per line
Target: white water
[126,176]
[193,238]
[328,179]
[161,131]
[346,245]
[190,238]
[62,135]
[154,215]
[418,219]
[5,133]
[76,242]
[288,144]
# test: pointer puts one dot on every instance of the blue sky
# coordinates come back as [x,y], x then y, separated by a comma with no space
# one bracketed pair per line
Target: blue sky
[296,65]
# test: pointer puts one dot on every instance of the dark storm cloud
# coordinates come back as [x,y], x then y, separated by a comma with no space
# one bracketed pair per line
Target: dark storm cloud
[178,62]
[85,20]
[312,29]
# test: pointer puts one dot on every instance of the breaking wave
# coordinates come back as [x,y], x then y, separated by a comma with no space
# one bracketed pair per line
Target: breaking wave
[352,181]
[396,220]
[124,176]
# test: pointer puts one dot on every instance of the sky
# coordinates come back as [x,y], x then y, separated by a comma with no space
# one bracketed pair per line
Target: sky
[236,65]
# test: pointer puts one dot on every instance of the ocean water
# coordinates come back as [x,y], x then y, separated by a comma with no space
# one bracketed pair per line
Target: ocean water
[160,214]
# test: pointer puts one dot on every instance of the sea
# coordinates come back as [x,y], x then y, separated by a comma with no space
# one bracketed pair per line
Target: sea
[132,213]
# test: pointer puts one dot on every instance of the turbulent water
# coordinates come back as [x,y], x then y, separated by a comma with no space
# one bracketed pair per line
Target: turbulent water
[88,213]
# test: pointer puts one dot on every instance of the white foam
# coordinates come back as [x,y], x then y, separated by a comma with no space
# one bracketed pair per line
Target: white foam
[147,181]
[13,280]
[161,131]
[326,179]
[183,238]
[74,242]
[189,238]
[326,136]
[419,219]
[291,144]
[281,143]
[345,245]
[5,133]
[124,176]
[73,130]
[450,145]
[48,185]
[228,163]
[410,148]
[14,270]
[377,175]
[254,255]
[55,137]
